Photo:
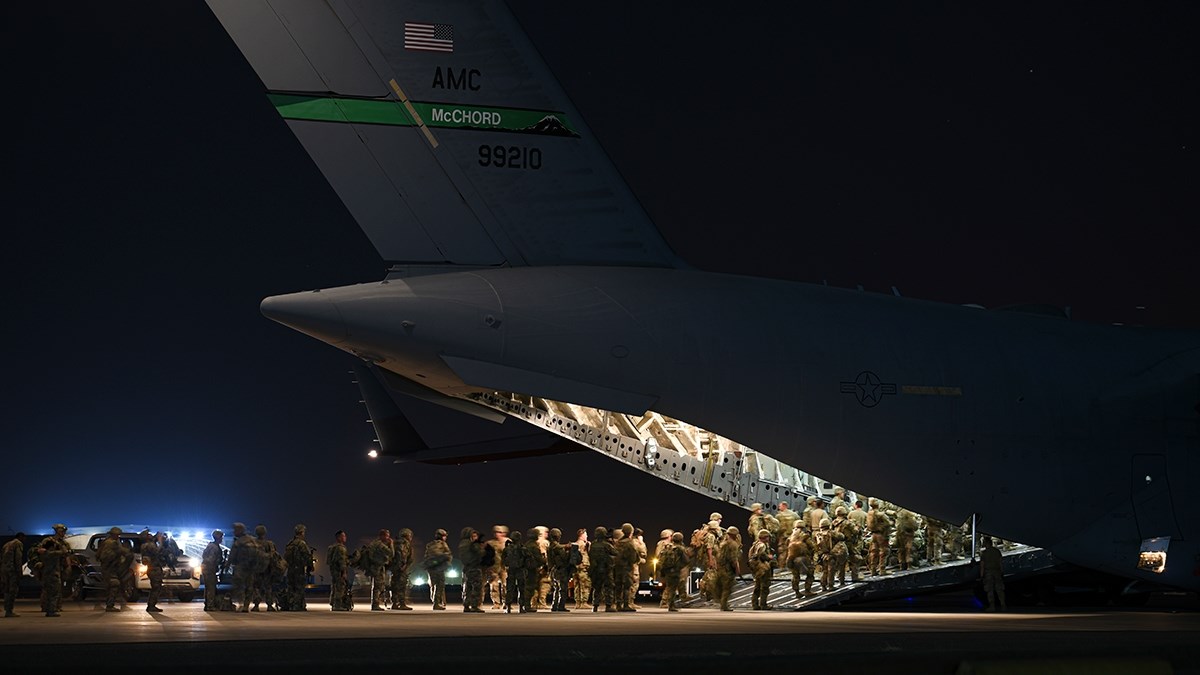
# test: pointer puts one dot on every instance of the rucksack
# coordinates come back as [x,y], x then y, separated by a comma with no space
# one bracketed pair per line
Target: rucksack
[489,557]
[576,557]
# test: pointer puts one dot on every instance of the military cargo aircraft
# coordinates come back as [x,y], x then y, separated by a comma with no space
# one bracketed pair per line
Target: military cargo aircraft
[526,281]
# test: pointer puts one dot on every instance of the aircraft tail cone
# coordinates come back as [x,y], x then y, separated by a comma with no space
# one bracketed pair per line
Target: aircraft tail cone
[310,313]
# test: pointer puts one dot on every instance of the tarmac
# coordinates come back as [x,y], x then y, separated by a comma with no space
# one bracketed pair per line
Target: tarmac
[939,634]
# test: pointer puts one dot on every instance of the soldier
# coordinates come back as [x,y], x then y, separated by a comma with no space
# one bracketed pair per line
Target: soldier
[635,582]
[624,560]
[541,579]
[933,541]
[496,575]
[601,558]
[514,563]
[243,556]
[787,523]
[823,544]
[852,541]
[534,559]
[799,559]
[991,568]
[52,555]
[12,557]
[664,540]
[762,566]
[470,552]
[436,562]
[110,557]
[152,554]
[212,561]
[338,562]
[840,552]
[558,557]
[839,499]
[402,557]
[710,542]
[728,566]
[880,526]
[672,559]
[377,556]
[758,521]
[267,570]
[583,579]
[858,515]
[817,514]
[906,529]
[810,504]
[299,560]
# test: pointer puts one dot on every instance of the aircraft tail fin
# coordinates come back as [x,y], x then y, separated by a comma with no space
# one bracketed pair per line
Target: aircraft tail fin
[443,132]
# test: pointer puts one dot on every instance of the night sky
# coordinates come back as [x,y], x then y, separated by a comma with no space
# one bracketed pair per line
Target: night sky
[994,154]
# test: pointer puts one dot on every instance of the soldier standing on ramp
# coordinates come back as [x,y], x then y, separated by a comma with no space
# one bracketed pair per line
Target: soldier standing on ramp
[879,525]
[991,568]
[762,565]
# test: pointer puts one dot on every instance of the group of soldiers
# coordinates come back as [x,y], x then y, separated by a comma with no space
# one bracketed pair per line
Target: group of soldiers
[537,570]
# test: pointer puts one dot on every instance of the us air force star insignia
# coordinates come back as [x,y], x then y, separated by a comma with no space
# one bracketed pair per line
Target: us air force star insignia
[868,389]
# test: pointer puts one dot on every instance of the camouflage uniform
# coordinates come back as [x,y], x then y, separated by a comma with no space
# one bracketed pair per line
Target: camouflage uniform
[337,559]
[728,560]
[268,571]
[933,541]
[299,559]
[12,557]
[152,554]
[852,539]
[635,580]
[799,559]
[243,556]
[561,570]
[664,541]
[672,559]
[378,555]
[623,562]
[906,529]
[211,563]
[402,557]
[514,563]
[470,552]
[110,557]
[787,522]
[600,557]
[534,560]
[762,565]
[496,576]
[436,562]
[541,580]
[823,543]
[583,577]
[52,555]
[839,499]
[879,525]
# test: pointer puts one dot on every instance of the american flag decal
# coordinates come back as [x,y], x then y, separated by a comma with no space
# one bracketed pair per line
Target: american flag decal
[429,37]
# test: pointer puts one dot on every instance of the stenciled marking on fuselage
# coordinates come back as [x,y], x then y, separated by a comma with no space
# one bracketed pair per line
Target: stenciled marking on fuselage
[869,389]
[387,111]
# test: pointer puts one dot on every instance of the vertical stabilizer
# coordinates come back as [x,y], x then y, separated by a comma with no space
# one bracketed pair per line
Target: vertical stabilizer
[443,132]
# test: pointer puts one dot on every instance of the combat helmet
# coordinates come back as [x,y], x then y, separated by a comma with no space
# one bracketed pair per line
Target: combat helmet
[825,523]
[260,530]
[439,533]
[714,516]
[677,538]
[555,534]
[114,530]
[665,533]
[499,529]
[404,533]
[756,506]
[300,529]
[239,527]
[217,533]
[841,511]
[764,534]
[733,530]
[59,527]
[600,533]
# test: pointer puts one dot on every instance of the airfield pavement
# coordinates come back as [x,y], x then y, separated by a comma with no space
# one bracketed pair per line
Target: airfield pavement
[919,636]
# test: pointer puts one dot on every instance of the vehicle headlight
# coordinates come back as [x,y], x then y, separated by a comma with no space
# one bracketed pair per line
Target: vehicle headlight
[196,572]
